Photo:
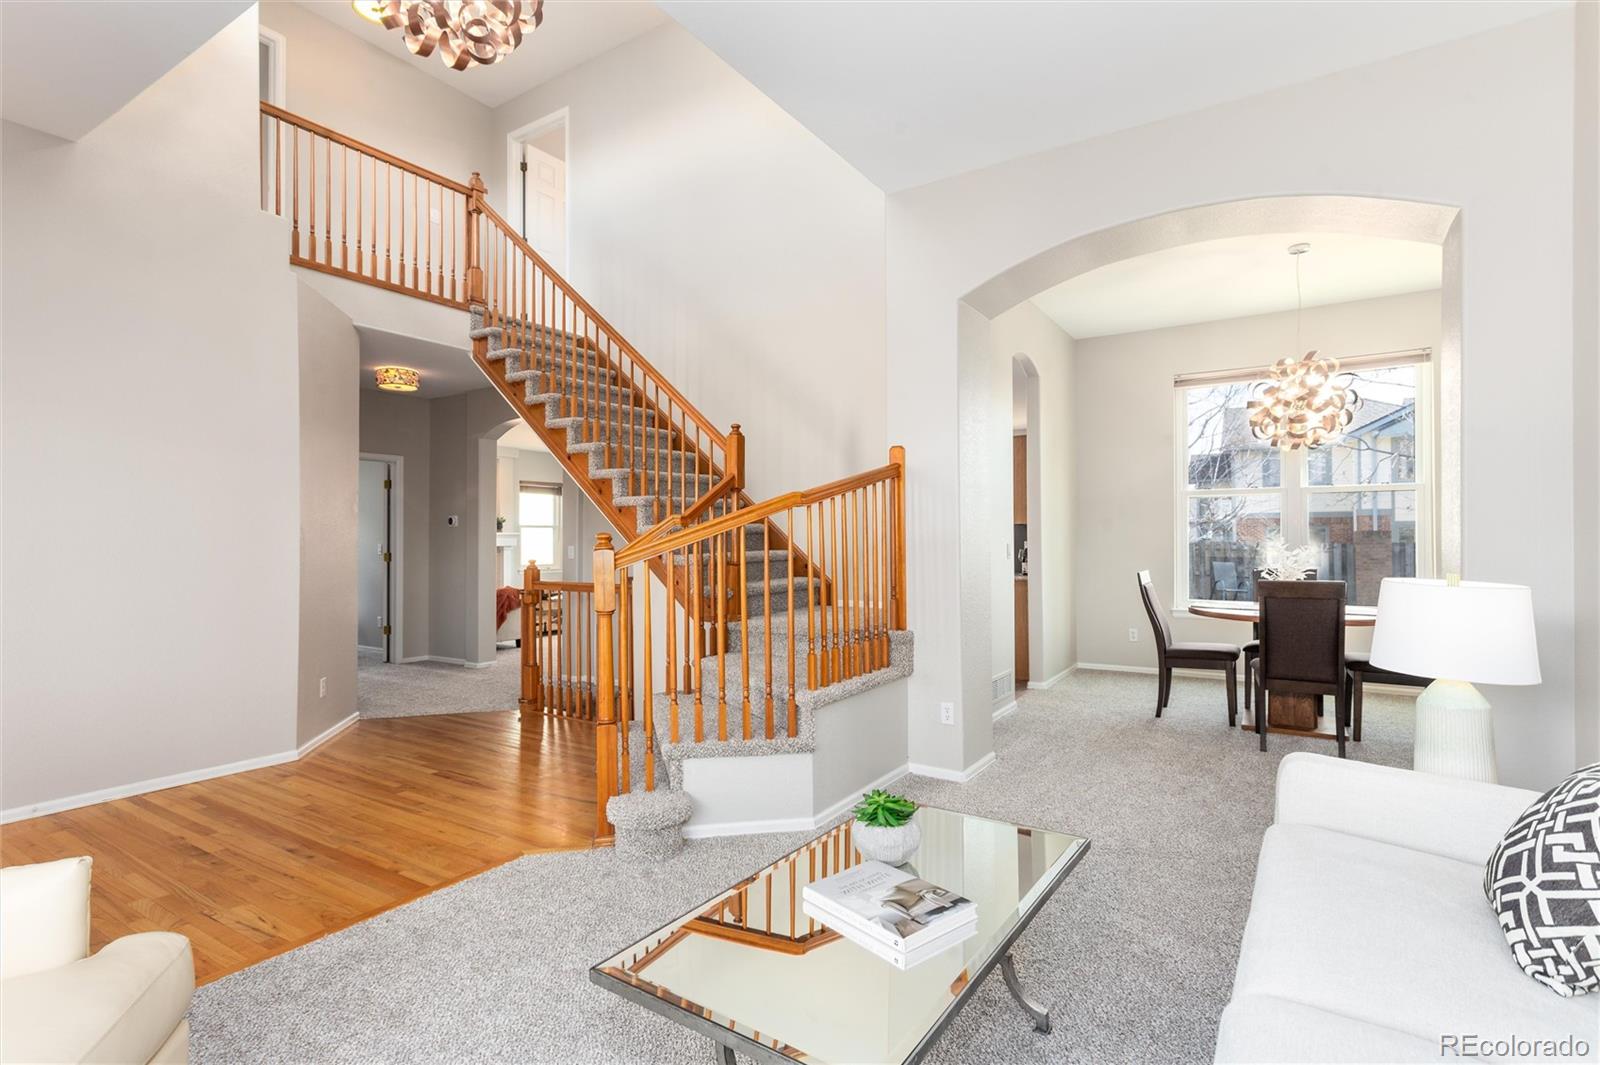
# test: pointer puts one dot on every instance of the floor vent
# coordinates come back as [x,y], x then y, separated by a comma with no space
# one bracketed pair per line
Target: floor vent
[1001,686]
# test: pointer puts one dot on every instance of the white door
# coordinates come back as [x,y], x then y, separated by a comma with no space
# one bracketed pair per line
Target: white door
[373,557]
[545,207]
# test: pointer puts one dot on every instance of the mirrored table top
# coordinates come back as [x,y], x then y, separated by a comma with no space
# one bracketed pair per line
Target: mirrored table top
[750,970]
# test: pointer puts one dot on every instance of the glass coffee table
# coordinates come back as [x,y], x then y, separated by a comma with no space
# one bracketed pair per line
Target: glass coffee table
[751,972]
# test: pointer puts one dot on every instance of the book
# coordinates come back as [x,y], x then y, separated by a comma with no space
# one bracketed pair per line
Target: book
[891,905]
[900,959]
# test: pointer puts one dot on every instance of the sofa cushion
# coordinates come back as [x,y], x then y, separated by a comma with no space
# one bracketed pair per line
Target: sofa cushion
[1543,882]
[1391,936]
[44,909]
[1268,1030]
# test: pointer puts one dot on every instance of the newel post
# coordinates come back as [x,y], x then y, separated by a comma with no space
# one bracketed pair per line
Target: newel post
[605,729]
[897,457]
[736,456]
[530,631]
[474,254]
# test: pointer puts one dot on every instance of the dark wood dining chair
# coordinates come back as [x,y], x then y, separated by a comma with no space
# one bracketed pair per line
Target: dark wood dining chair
[1170,655]
[1361,670]
[1302,647]
[1253,648]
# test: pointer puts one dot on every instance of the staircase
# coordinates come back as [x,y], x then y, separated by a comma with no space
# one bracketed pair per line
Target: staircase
[720,628]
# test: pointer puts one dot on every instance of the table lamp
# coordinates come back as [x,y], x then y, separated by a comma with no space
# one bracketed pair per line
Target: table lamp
[1462,633]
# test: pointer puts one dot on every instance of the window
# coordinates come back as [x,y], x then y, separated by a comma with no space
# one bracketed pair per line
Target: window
[1361,500]
[539,523]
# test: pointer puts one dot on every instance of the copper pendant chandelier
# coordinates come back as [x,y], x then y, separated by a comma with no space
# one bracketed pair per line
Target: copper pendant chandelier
[466,32]
[1302,403]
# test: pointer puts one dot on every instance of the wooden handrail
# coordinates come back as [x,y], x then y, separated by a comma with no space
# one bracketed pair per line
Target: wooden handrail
[658,378]
[366,149]
[646,548]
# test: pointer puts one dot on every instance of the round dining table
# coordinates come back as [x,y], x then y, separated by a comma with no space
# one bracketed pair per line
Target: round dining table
[1293,714]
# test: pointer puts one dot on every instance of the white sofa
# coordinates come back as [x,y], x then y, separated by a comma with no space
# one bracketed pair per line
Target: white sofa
[124,1005]
[1369,937]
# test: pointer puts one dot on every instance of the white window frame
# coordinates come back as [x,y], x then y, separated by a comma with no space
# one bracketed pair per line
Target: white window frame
[1294,490]
[555,527]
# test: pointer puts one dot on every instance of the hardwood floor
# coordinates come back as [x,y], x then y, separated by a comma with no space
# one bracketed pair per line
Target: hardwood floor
[250,865]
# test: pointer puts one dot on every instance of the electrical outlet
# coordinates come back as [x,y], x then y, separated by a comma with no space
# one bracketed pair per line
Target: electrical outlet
[322,688]
[947,713]
[1133,635]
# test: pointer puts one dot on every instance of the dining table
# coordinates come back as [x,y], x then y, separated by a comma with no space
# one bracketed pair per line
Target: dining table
[1294,715]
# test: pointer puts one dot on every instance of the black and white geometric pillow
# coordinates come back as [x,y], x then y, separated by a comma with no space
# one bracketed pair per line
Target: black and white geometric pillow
[1543,881]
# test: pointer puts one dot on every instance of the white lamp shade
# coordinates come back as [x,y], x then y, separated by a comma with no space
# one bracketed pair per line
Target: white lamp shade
[1474,631]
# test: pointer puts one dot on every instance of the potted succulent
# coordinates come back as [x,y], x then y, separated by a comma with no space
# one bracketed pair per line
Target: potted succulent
[884,830]
[499,525]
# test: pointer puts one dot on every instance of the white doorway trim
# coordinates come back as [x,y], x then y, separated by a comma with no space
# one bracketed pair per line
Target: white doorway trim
[278,62]
[515,207]
[397,572]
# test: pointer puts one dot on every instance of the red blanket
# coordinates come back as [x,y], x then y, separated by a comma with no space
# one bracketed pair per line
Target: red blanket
[507,601]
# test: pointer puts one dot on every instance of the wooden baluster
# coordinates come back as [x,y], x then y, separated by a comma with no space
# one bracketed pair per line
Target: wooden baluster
[327,201]
[670,605]
[841,589]
[402,228]
[311,190]
[766,613]
[294,193]
[344,208]
[624,679]
[416,228]
[812,557]
[885,494]
[547,651]
[858,584]
[697,578]
[277,166]
[650,688]
[605,592]
[455,247]
[361,211]
[388,223]
[792,863]
[897,456]
[790,568]
[717,562]
[744,625]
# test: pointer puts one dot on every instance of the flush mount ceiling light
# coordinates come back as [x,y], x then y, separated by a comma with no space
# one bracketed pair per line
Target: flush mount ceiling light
[1302,404]
[371,10]
[397,378]
[466,32]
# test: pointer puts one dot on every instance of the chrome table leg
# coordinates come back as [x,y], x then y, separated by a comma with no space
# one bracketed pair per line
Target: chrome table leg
[1040,1015]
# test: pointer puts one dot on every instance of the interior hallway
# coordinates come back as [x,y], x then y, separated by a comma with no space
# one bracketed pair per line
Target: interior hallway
[253,864]
[394,689]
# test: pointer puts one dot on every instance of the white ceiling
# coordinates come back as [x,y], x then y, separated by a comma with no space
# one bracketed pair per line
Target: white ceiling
[445,370]
[66,68]
[573,32]
[1237,276]
[913,92]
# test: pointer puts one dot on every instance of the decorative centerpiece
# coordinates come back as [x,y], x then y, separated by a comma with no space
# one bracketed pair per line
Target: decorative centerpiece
[1280,562]
[499,525]
[884,830]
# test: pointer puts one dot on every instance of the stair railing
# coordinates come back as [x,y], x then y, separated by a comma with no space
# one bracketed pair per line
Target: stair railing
[719,651]
[613,395]
[357,212]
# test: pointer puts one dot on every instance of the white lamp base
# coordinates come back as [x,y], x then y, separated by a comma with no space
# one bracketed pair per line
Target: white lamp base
[1455,734]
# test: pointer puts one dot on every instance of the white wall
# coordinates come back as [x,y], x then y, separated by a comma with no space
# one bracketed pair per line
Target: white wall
[150,315]
[738,253]
[340,81]
[1125,448]
[329,361]
[1485,123]
[1586,380]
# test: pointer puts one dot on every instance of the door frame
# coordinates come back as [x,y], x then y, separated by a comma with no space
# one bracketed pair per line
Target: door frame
[515,207]
[397,527]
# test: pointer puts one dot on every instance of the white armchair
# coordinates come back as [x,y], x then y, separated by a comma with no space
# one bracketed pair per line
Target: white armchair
[124,1004]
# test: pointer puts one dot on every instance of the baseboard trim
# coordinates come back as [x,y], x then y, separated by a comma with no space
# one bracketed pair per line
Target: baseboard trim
[194,776]
[1045,685]
[958,776]
[1109,667]
[790,824]
[325,735]
[372,650]
[1006,710]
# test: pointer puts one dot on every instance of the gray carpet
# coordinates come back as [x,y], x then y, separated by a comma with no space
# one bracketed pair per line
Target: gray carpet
[393,689]
[1135,953]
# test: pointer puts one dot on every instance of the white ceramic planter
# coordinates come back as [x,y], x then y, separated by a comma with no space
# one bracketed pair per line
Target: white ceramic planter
[890,845]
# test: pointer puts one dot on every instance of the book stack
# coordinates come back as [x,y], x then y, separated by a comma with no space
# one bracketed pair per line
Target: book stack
[902,919]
